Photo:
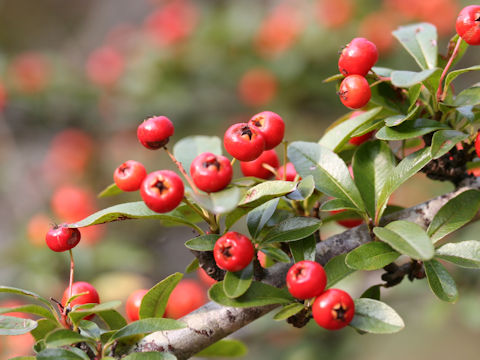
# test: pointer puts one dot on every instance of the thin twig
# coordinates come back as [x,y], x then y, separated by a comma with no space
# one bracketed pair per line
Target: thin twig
[441,95]
[182,170]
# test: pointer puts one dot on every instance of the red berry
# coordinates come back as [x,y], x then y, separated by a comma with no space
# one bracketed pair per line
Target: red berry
[291,172]
[255,167]
[358,57]
[306,279]
[358,140]
[132,307]
[162,191]
[271,126]
[477,144]
[211,172]
[155,132]
[187,296]
[243,142]
[62,238]
[91,296]
[468,24]
[129,176]
[354,92]
[348,223]
[334,309]
[233,251]
[205,278]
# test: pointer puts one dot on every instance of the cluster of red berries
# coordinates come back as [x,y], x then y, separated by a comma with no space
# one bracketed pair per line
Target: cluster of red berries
[332,309]
[356,60]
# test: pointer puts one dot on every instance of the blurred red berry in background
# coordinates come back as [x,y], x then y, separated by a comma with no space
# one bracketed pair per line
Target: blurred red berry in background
[105,66]
[30,72]
[37,227]
[3,96]
[257,87]
[378,27]
[334,14]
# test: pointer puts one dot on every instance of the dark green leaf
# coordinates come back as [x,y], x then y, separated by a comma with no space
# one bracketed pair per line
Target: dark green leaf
[335,77]
[110,190]
[146,326]
[292,229]
[337,270]
[44,326]
[375,317]
[12,290]
[387,96]
[150,355]
[288,310]
[190,147]
[276,254]
[81,311]
[202,243]
[258,217]
[373,292]
[155,300]
[235,284]
[258,294]
[224,348]
[410,129]
[336,204]
[454,214]
[440,281]
[464,253]
[407,79]
[330,173]
[407,238]
[90,329]
[192,266]
[304,189]
[396,120]
[10,325]
[371,256]
[444,140]
[420,40]
[303,249]
[64,354]
[30,309]
[64,337]
[113,319]
[413,95]
[372,164]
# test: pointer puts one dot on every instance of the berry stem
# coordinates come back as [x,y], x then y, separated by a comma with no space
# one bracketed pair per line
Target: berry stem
[442,94]
[72,268]
[270,168]
[233,161]
[181,169]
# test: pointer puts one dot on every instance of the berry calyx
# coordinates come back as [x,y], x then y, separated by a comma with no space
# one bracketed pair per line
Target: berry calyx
[154,132]
[358,57]
[162,191]
[187,296]
[271,126]
[306,279]
[244,142]
[291,172]
[354,92]
[468,24]
[233,251]
[62,238]
[129,176]
[79,287]
[211,172]
[132,306]
[256,168]
[334,309]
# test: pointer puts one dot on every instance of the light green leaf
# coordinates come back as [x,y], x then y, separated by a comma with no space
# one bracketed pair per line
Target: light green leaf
[110,190]
[64,337]
[444,140]
[30,309]
[155,300]
[188,148]
[220,202]
[454,214]
[192,266]
[44,326]
[410,129]
[304,189]
[396,120]
[407,79]
[276,253]
[373,292]
[303,249]
[202,243]
[337,270]
[464,253]
[288,310]
[258,217]
[64,354]
[226,348]
[371,256]
[81,311]
[470,96]
[146,326]
[235,284]
[420,40]
[150,355]
[375,317]
[10,325]
[292,229]
[12,290]
[407,238]
[440,281]
[113,319]
[454,74]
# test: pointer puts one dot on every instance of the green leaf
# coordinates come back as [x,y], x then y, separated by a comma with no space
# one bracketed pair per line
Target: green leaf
[371,256]
[339,135]
[413,95]
[373,292]
[444,140]
[454,214]
[407,238]
[304,189]
[23,358]
[64,354]
[303,249]
[30,309]
[258,294]
[194,265]
[224,348]
[235,284]
[276,254]
[420,40]
[64,337]
[387,96]
[454,74]
[81,311]
[10,325]
[408,167]
[337,270]
[155,300]
[375,317]
[288,310]
[190,147]
[132,210]
[146,326]
[292,229]
[12,290]
[464,253]
[396,120]
[372,164]
[44,326]
[409,129]
[220,202]
[110,190]
[440,281]
[330,173]
[90,329]
[202,243]
[407,79]
[113,319]
[150,355]
[258,217]
[470,96]
[335,205]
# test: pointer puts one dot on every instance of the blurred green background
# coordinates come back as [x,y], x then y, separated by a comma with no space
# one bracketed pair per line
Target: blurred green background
[77,77]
